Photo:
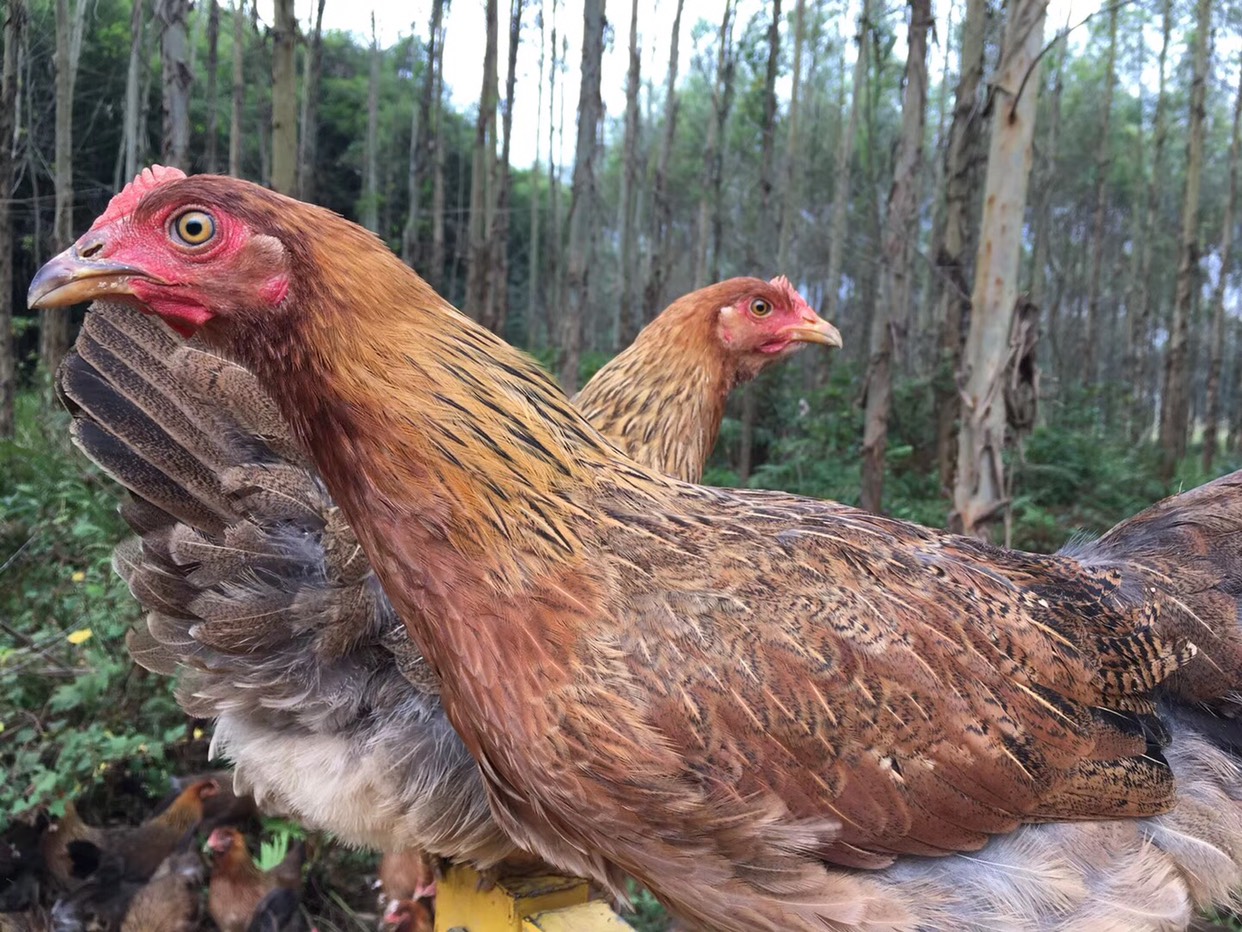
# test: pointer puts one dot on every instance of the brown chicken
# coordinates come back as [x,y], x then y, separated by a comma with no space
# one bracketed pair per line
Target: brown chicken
[409,916]
[73,850]
[170,901]
[407,874]
[778,713]
[239,892]
[259,594]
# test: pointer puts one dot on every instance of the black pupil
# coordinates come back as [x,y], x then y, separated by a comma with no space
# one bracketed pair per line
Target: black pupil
[193,228]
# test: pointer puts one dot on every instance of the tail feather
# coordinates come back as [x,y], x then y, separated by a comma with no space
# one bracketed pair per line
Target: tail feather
[1182,559]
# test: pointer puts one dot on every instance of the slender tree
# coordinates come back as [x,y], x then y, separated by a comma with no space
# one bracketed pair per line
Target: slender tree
[285,100]
[178,79]
[658,255]
[1103,162]
[54,325]
[239,88]
[435,96]
[711,208]
[213,68]
[1175,411]
[482,182]
[582,196]
[790,196]
[536,318]
[750,394]
[951,258]
[308,141]
[14,25]
[498,293]
[370,184]
[1139,342]
[127,164]
[841,172]
[628,319]
[409,233]
[1046,175]
[1217,342]
[978,497]
[896,257]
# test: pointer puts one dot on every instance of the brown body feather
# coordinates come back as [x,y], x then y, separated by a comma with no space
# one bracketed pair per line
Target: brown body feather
[249,570]
[728,694]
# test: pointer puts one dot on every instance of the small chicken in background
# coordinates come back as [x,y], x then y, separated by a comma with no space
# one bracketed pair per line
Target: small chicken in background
[171,901]
[408,874]
[238,892]
[75,851]
[226,807]
[409,916]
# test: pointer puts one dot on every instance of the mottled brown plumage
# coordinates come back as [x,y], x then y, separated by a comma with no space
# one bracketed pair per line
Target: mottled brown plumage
[259,593]
[732,695]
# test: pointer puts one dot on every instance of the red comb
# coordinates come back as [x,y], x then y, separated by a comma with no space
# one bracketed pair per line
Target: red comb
[791,294]
[147,181]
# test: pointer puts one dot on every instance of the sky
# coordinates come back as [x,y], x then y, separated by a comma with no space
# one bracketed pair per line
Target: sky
[465,35]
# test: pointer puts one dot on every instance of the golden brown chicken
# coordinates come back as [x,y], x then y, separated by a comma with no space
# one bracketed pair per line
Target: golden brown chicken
[409,916]
[259,594]
[73,850]
[239,891]
[407,874]
[170,900]
[777,713]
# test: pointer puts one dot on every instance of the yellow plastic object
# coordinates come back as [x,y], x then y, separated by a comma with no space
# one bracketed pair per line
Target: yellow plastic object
[591,917]
[462,907]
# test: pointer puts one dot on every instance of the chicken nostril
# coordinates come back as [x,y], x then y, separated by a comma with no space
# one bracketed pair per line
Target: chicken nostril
[91,251]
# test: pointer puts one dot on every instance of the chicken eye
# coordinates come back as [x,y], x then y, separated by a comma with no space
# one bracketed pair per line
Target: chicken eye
[760,307]
[194,227]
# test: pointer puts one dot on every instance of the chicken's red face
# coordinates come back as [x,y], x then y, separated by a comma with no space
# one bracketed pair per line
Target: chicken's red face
[221,841]
[770,322]
[179,257]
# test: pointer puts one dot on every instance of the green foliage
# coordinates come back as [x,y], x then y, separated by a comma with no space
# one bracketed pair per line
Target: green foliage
[74,707]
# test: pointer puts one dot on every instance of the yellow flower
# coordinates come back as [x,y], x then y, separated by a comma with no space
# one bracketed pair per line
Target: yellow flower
[81,636]
[79,576]
[198,732]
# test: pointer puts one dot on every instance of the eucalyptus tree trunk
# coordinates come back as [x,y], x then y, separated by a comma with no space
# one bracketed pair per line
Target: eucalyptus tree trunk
[896,258]
[1102,163]
[213,73]
[1139,342]
[127,164]
[957,239]
[1217,342]
[54,325]
[178,79]
[370,183]
[536,314]
[308,141]
[482,181]
[791,196]
[711,221]
[1047,173]
[555,239]
[582,198]
[435,97]
[285,100]
[413,178]
[498,302]
[239,88]
[14,24]
[750,394]
[979,490]
[628,318]
[844,163]
[658,259]
[1175,411]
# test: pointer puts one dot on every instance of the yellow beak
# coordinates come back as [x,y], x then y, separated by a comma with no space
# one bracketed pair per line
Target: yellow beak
[70,279]
[816,331]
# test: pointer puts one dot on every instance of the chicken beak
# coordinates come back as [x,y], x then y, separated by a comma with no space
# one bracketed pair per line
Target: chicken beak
[71,279]
[815,331]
